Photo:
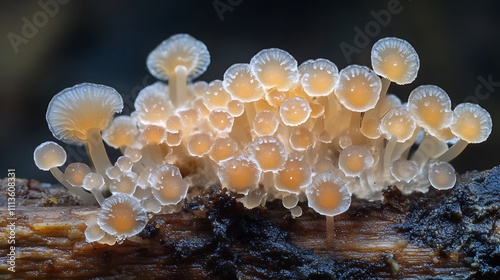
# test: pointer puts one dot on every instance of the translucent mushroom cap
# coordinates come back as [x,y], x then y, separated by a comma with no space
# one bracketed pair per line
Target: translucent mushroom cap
[241,84]
[404,170]
[221,121]
[319,76]
[358,88]
[471,123]
[302,139]
[216,97]
[295,175]
[199,144]
[178,50]
[49,155]
[275,68]
[295,111]
[442,175]
[431,107]
[239,173]
[125,183]
[328,194]
[92,181]
[75,173]
[152,105]
[269,153]
[122,215]
[168,185]
[76,110]
[395,59]
[122,132]
[223,148]
[265,123]
[397,123]
[354,159]
[153,134]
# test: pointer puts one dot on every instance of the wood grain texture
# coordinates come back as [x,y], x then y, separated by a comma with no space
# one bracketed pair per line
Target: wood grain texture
[214,237]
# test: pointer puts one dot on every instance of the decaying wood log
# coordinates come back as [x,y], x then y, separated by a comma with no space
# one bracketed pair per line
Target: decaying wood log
[447,234]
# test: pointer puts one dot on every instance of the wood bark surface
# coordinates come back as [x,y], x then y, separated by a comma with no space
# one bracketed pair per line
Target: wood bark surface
[214,237]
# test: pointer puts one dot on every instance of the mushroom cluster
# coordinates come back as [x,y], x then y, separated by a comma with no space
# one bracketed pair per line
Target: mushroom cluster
[270,129]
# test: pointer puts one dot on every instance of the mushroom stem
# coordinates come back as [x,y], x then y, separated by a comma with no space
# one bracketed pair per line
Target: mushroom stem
[453,151]
[330,230]
[180,93]
[86,198]
[97,152]
[389,150]
[98,196]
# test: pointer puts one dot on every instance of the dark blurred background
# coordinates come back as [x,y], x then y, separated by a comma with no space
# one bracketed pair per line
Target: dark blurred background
[107,42]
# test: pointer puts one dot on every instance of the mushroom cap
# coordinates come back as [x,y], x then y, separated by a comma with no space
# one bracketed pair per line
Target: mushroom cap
[94,233]
[178,50]
[93,181]
[199,144]
[358,88]
[216,97]
[295,111]
[471,123]
[442,175]
[269,153]
[398,123]
[355,159]
[239,173]
[265,123]
[235,108]
[49,155]
[122,215]
[167,184]
[74,111]
[275,68]
[153,134]
[223,148]
[319,76]
[295,175]
[241,84]
[404,170]
[431,107]
[75,173]
[122,132]
[302,139]
[328,194]
[221,121]
[152,105]
[125,183]
[395,59]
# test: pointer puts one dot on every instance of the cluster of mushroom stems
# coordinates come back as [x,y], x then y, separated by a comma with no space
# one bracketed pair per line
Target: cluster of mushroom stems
[270,129]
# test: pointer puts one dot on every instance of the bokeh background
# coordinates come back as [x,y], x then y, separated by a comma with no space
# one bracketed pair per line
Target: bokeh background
[108,41]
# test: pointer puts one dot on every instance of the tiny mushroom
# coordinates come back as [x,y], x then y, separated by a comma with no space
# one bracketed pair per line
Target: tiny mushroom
[178,59]
[328,195]
[79,114]
[122,216]
[49,156]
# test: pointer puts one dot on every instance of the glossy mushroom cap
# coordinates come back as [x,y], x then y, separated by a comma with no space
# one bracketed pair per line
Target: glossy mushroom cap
[178,50]
[328,194]
[49,155]
[122,215]
[358,88]
[395,59]
[74,111]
